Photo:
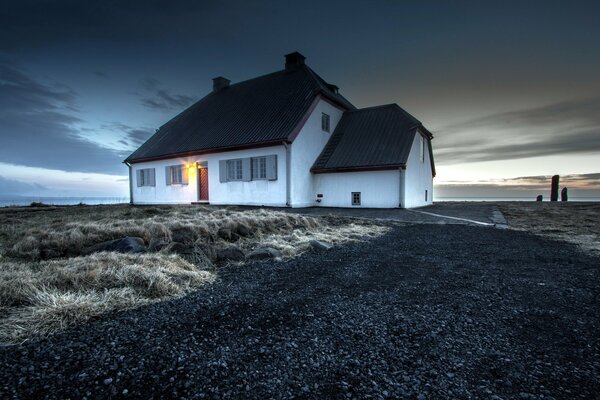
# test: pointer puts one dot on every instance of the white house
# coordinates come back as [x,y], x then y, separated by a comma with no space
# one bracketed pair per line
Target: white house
[285,139]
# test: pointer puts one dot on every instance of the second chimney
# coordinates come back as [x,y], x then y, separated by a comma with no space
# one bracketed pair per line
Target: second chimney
[294,60]
[220,83]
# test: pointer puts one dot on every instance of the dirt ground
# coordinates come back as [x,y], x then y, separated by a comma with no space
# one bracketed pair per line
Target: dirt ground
[573,222]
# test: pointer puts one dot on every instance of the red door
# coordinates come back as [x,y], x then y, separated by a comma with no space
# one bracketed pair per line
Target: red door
[203,184]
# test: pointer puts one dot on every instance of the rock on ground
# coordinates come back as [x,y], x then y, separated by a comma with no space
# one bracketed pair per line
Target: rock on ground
[230,253]
[264,253]
[127,244]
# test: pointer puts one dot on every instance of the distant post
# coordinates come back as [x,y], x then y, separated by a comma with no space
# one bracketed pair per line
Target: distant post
[564,195]
[554,192]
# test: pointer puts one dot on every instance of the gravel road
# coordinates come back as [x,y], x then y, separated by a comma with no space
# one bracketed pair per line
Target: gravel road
[426,311]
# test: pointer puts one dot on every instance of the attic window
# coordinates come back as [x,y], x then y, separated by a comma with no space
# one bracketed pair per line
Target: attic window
[422,150]
[325,122]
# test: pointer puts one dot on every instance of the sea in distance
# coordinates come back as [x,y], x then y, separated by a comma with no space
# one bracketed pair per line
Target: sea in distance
[65,201]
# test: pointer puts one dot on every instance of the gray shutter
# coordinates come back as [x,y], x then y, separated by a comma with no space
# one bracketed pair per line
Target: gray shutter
[222,170]
[184,175]
[272,167]
[246,169]
[152,177]
[138,179]
[167,176]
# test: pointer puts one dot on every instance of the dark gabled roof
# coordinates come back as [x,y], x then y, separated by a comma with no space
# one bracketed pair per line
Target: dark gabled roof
[370,138]
[258,111]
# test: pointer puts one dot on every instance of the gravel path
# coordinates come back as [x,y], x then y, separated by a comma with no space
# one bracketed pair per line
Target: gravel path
[427,311]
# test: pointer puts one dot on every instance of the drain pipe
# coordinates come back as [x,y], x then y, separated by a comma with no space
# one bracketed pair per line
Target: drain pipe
[288,173]
[402,184]
[130,182]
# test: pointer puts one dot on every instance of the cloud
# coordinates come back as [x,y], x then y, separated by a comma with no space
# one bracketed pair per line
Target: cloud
[33,23]
[16,187]
[39,127]
[156,98]
[132,137]
[562,128]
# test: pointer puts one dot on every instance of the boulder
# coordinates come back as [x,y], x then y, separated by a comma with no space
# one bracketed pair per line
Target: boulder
[317,245]
[157,244]
[127,244]
[183,234]
[264,253]
[230,253]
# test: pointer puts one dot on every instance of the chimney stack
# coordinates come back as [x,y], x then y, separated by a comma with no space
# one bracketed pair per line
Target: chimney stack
[294,60]
[220,83]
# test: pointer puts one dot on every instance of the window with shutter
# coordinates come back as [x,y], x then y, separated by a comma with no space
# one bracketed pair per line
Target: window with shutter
[259,168]
[146,177]
[234,170]
[175,175]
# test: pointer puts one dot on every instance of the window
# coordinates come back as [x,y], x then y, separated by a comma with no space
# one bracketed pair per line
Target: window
[259,168]
[356,198]
[145,177]
[426,196]
[422,150]
[176,175]
[248,169]
[325,122]
[234,170]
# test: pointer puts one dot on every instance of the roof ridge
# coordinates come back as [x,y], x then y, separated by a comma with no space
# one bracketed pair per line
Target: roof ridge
[374,107]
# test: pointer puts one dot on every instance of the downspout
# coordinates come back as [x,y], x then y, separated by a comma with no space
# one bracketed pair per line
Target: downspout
[402,188]
[288,174]
[130,182]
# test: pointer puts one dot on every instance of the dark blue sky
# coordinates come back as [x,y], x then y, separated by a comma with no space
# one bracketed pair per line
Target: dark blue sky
[510,89]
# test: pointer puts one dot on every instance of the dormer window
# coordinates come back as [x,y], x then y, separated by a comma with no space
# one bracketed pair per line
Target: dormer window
[325,122]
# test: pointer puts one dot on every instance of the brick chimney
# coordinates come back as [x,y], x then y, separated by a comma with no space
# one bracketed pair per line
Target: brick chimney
[220,83]
[294,60]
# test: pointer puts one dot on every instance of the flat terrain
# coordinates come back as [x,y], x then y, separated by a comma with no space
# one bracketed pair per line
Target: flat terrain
[421,311]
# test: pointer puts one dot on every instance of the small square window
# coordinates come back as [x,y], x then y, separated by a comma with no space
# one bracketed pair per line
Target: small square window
[356,198]
[325,122]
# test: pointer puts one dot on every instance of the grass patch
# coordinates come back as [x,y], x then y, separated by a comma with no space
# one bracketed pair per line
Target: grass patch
[48,281]
[39,298]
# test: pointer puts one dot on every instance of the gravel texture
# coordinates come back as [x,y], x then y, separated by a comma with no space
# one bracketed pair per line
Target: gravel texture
[426,311]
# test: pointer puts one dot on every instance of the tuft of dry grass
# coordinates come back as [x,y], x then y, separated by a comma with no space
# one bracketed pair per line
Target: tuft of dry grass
[39,298]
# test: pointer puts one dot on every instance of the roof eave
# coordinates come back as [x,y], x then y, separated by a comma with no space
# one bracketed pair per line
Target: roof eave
[321,170]
[222,149]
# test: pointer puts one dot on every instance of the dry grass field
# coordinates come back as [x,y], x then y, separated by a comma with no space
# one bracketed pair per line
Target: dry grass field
[48,281]
[573,222]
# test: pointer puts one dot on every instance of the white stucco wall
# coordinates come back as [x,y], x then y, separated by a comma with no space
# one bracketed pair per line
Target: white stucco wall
[260,192]
[379,189]
[304,151]
[418,177]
